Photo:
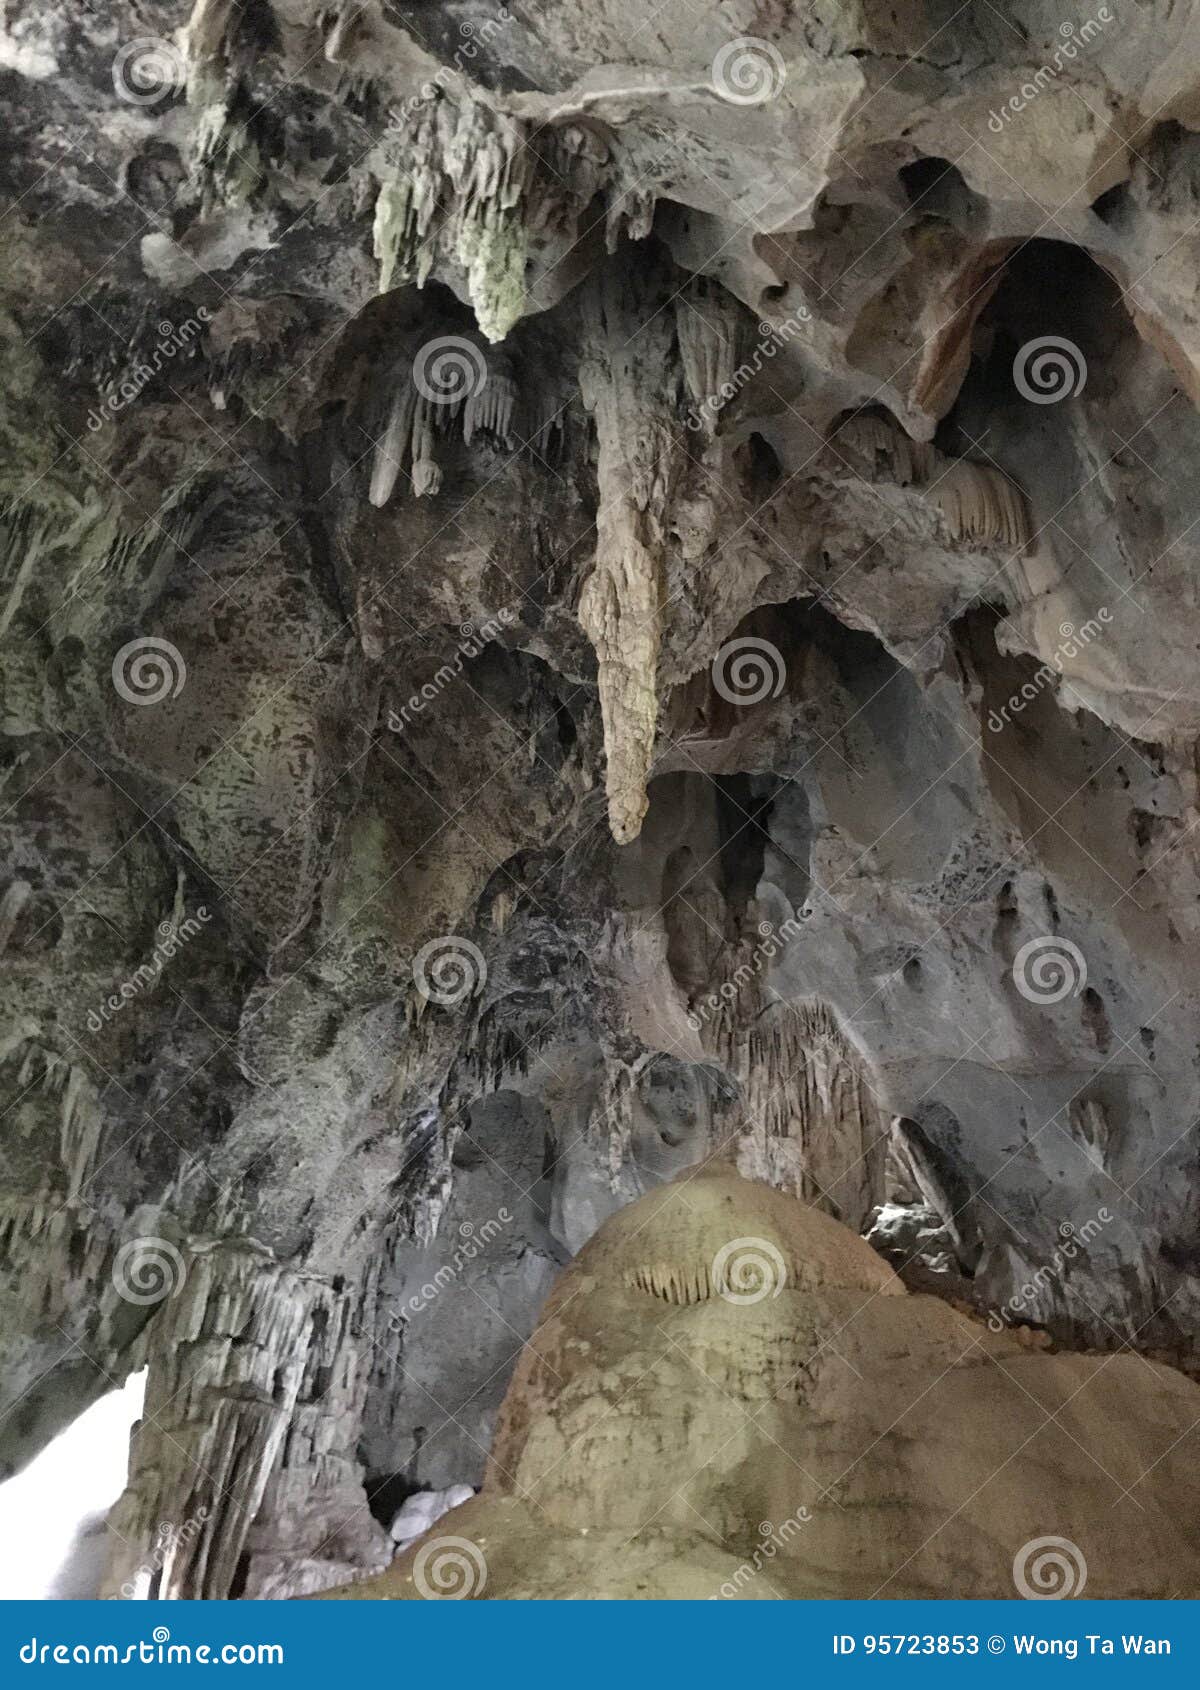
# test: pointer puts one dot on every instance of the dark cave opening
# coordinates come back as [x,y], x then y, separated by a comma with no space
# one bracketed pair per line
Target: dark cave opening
[936,188]
[1053,301]
[744,804]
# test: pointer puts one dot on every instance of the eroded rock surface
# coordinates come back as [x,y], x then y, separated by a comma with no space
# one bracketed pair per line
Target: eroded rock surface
[576,589]
[729,1394]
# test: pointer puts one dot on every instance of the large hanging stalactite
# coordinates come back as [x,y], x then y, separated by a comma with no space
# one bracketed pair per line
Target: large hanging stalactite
[628,378]
[638,359]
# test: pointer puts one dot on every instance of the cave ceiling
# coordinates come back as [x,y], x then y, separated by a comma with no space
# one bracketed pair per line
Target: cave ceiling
[582,587]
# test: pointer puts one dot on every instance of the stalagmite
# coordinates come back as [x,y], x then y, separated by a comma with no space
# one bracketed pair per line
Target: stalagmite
[889,1445]
[610,1123]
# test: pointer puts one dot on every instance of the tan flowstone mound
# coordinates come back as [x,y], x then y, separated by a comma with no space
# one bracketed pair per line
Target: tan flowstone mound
[730,1394]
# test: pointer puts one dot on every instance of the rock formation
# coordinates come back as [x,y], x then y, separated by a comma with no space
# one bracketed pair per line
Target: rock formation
[729,1395]
[577,591]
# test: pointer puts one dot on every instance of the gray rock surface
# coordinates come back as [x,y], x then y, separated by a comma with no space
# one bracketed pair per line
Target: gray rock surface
[557,614]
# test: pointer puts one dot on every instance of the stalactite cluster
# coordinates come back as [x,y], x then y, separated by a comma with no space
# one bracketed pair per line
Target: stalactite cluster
[584,597]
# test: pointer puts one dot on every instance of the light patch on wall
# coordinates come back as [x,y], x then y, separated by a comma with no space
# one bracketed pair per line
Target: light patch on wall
[52,1533]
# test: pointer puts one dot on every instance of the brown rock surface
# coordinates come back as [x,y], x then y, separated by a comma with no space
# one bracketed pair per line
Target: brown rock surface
[724,1372]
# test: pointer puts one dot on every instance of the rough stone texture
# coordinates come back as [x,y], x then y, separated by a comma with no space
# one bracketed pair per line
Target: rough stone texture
[580,477]
[742,1361]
